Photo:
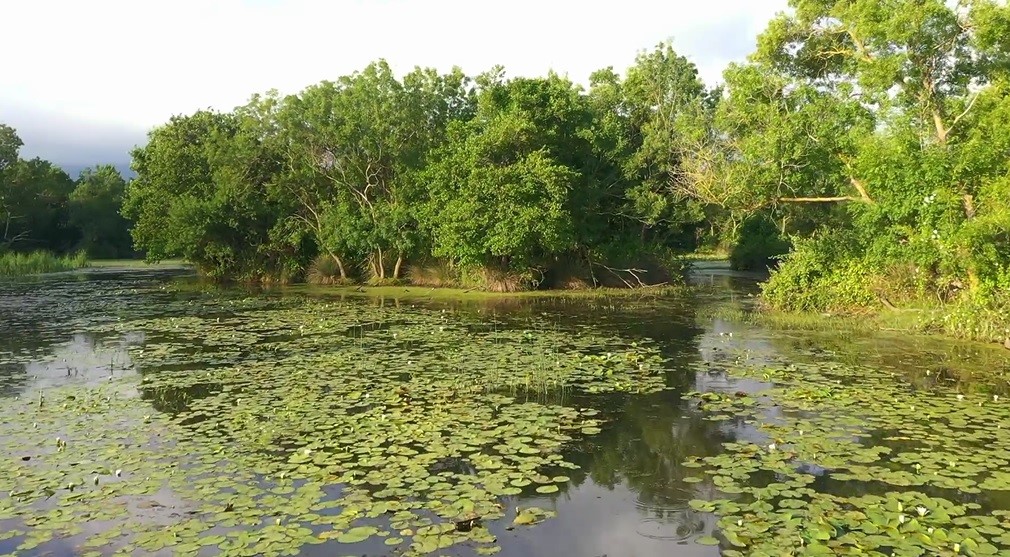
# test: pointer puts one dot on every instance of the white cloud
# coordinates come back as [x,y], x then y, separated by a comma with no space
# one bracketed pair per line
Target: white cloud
[136,63]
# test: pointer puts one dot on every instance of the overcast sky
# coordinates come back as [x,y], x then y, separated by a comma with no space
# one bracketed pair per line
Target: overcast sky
[83,82]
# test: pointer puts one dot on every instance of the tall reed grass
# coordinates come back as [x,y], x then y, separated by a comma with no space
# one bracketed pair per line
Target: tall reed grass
[22,264]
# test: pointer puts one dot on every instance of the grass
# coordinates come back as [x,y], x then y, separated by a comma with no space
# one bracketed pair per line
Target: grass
[35,263]
[706,256]
[442,293]
[135,263]
[910,320]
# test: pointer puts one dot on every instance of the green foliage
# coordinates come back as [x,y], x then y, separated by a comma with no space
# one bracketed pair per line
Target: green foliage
[33,207]
[41,208]
[37,262]
[888,121]
[496,178]
[94,210]
[822,273]
[354,147]
[505,187]
[200,193]
[759,245]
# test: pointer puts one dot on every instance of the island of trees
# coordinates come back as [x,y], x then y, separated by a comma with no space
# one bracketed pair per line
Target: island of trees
[862,151]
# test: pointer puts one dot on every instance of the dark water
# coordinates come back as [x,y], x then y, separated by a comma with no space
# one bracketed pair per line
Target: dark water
[630,497]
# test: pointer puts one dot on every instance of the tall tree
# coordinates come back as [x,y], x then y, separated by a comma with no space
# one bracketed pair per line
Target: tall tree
[33,206]
[353,146]
[651,118]
[507,188]
[878,105]
[95,206]
[201,193]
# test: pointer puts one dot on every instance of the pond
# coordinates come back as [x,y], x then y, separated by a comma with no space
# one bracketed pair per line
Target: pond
[144,413]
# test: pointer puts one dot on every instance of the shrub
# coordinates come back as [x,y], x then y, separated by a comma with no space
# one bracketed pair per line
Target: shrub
[436,273]
[821,274]
[324,270]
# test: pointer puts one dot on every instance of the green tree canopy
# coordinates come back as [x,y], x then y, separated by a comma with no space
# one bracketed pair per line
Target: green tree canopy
[95,207]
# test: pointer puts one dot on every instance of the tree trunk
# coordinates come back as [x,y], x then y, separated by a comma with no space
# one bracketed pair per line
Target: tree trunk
[340,265]
[396,268]
[941,132]
[382,266]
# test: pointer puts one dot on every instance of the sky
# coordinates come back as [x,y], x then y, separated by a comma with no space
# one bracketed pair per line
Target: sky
[83,82]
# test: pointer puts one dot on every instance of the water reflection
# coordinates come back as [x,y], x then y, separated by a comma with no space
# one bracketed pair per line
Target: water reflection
[631,495]
[47,326]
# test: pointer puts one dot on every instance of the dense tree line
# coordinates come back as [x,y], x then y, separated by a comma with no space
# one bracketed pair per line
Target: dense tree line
[508,183]
[44,209]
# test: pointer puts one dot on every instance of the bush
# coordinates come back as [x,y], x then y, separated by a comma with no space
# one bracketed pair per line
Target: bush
[821,274]
[436,273]
[324,270]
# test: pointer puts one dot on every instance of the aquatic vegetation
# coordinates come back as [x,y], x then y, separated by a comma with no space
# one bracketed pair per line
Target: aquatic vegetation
[287,422]
[21,264]
[855,461]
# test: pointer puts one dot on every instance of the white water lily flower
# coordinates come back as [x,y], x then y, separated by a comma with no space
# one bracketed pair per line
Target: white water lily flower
[960,397]
[923,511]
[930,530]
[995,398]
[901,519]
[771,447]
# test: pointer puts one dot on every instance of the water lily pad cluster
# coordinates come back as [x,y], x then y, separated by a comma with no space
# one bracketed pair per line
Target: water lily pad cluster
[853,460]
[257,429]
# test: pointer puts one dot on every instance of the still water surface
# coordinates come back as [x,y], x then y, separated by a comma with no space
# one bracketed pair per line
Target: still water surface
[630,497]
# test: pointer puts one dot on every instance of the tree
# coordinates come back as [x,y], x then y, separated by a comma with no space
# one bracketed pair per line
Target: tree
[507,188]
[33,206]
[651,118]
[10,146]
[201,193]
[95,206]
[353,147]
[880,108]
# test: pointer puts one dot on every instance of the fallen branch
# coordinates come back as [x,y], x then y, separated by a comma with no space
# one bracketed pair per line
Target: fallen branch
[632,272]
